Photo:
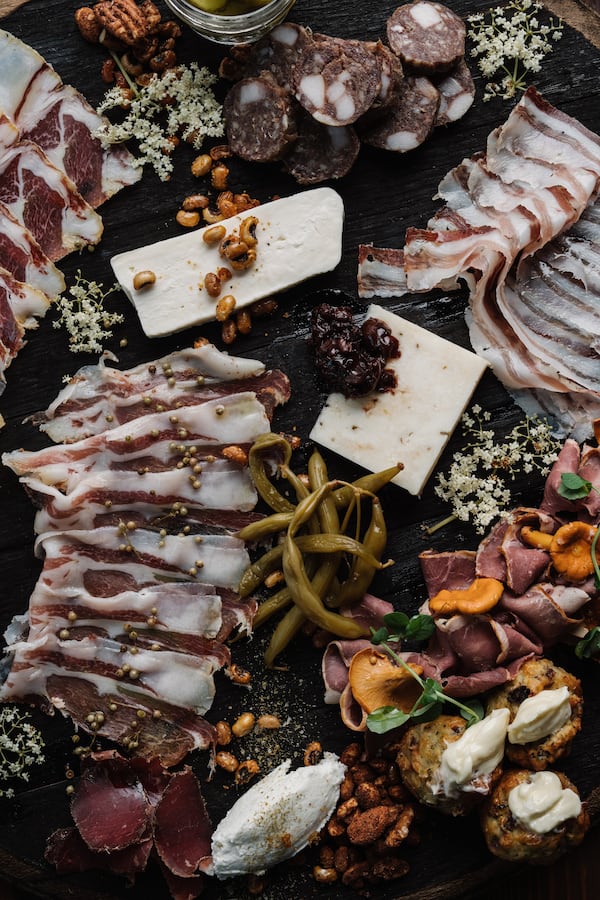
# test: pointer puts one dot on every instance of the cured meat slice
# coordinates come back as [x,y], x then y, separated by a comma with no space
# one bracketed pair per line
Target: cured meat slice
[19,304]
[259,119]
[457,93]
[42,198]
[278,53]
[336,80]
[22,256]
[390,74]
[58,118]
[428,37]
[322,152]
[408,121]
[99,397]
[380,272]
[182,828]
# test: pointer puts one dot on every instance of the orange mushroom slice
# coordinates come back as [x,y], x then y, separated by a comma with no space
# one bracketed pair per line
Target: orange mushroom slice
[377,681]
[481,596]
[570,548]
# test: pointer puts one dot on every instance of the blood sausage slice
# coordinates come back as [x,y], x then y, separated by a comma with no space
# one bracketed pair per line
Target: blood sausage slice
[337,81]
[409,121]
[322,152]
[457,93]
[428,37]
[259,119]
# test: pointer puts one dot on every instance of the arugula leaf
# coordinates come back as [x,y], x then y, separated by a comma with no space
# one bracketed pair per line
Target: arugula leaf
[589,646]
[574,487]
[386,718]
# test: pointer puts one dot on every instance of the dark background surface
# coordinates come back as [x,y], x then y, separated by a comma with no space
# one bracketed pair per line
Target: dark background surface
[383,195]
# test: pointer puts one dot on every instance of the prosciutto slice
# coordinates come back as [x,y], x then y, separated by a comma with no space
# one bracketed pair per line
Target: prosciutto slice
[59,120]
[19,304]
[42,197]
[22,256]
[100,397]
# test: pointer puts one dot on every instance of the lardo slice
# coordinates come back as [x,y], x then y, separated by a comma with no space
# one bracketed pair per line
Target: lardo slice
[297,237]
[413,423]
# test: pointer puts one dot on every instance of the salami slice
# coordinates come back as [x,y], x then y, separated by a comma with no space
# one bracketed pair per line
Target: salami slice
[322,152]
[259,119]
[390,74]
[409,120]
[457,93]
[428,37]
[276,53]
[336,80]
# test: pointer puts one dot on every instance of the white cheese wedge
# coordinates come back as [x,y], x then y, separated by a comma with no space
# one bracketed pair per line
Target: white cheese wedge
[413,423]
[298,237]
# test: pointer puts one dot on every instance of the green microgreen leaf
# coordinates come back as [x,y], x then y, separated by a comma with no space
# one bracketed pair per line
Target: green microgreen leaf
[380,636]
[472,712]
[589,646]
[574,487]
[386,718]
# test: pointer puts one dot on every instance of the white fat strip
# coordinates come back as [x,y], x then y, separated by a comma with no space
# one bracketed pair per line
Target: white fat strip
[426,15]
[217,560]
[252,91]
[186,607]
[314,89]
[402,141]
[285,34]
[345,108]
[25,301]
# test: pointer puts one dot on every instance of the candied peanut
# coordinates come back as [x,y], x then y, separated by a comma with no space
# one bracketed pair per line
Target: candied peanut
[235,453]
[243,724]
[335,827]
[223,273]
[244,202]
[351,754]
[323,875]
[229,331]
[187,219]
[341,859]
[269,722]
[246,771]
[367,826]
[367,795]
[326,856]
[202,165]
[225,204]
[232,248]
[239,675]
[210,216]
[223,730]
[219,176]
[243,320]
[195,201]
[212,284]
[214,234]
[248,231]
[143,279]
[226,761]
[313,753]
[224,307]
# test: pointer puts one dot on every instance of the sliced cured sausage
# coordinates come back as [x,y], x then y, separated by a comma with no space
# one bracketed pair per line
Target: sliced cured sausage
[428,37]
[322,152]
[409,120]
[457,93]
[279,52]
[259,119]
[390,74]
[336,80]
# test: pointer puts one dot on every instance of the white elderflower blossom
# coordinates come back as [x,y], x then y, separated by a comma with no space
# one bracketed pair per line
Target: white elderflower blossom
[177,104]
[510,42]
[82,313]
[477,484]
[20,747]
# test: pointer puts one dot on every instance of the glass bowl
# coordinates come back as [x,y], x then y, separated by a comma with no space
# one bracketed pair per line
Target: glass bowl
[239,29]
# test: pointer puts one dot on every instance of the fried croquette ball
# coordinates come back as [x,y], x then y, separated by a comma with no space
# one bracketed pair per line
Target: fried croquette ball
[535,676]
[533,817]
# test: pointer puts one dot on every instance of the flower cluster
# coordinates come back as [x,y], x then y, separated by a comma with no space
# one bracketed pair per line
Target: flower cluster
[477,484]
[177,104]
[510,42]
[20,747]
[82,313]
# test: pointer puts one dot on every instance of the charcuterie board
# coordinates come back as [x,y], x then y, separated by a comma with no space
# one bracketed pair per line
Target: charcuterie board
[383,194]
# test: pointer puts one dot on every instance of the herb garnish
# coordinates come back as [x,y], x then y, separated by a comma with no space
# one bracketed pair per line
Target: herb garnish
[20,747]
[397,626]
[83,314]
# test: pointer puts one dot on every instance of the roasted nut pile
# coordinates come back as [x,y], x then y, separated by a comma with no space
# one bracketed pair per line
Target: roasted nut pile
[374,818]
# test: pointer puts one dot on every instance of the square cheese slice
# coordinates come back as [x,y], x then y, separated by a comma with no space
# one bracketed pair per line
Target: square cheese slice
[413,423]
[297,237]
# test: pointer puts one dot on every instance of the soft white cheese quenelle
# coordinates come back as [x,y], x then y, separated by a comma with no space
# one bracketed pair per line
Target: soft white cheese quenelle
[477,752]
[542,803]
[540,715]
[276,818]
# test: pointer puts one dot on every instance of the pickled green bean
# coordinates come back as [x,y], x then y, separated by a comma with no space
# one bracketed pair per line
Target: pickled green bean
[361,573]
[286,630]
[262,482]
[271,606]
[371,484]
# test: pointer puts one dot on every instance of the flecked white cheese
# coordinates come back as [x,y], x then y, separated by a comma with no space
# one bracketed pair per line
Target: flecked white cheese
[276,817]
[413,423]
[298,237]
[542,803]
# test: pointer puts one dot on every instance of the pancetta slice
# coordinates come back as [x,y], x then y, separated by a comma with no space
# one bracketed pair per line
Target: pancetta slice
[43,198]
[99,397]
[58,118]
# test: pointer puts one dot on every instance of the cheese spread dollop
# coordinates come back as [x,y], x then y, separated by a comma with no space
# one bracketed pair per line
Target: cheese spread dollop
[477,752]
[539,716]
[276,818]
[542,803]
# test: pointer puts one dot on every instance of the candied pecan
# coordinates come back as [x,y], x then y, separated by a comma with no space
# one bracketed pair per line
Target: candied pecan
[122,19]
[151,14]
[163,60]
[169,29]
[367,795]
[88,25]
[367,826]
[145,48]
[221,151]
[399,830]
[351,754]
[347,809]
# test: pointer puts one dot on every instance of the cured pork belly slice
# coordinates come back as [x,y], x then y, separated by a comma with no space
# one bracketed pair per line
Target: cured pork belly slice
[59,119]
[19,303]
[100,397]
[42,198]
[381,272]
[22,256]
[222,486]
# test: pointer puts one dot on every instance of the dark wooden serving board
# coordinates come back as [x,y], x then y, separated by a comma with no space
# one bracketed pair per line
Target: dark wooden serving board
[383,195]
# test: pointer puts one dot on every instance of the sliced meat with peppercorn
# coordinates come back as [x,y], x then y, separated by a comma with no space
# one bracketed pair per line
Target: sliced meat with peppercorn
[259,119]
[428,37]
[408,122]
